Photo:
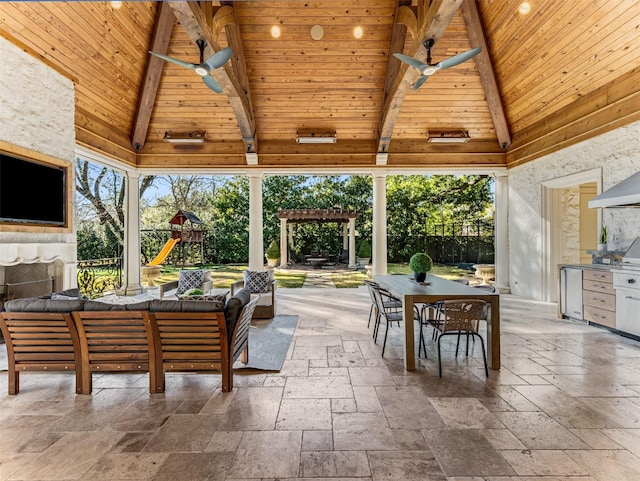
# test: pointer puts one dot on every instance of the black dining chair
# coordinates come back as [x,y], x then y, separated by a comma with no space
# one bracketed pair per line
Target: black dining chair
[387,308]
[390,302]
[457,317]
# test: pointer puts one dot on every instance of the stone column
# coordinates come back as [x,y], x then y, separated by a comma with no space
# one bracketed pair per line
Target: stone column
[256,241]
[379,241]
[345,236]
[131,256]
[352,242]
[501,241]
[290,226]
[283,243]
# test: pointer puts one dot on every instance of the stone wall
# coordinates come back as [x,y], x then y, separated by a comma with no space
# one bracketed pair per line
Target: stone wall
[617,153]
[37,106]
[570,226]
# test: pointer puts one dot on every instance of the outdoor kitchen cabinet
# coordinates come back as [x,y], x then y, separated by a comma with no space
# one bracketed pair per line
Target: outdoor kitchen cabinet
[598,297]
[587,294]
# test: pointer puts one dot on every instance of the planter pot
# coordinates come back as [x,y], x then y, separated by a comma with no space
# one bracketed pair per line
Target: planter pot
[602,247]
[420,276]
[273,262]
[363,261]
[369,271]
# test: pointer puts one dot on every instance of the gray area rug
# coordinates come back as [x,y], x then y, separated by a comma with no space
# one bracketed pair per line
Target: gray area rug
[269,341]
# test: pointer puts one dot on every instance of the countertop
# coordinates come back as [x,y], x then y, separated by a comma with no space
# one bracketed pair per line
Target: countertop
[598,267]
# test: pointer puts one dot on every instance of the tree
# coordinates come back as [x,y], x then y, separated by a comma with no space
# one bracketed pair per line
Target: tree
[102,192]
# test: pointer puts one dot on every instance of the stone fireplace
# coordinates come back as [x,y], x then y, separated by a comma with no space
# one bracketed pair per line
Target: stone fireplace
[32,269]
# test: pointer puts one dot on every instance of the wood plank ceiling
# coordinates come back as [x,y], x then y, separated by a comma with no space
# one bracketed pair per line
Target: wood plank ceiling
[544,80]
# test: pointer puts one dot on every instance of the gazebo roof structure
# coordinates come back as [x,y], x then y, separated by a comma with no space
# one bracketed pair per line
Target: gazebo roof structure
[317,215]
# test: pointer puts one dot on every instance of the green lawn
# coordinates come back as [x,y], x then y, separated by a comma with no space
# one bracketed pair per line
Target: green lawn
[225,275]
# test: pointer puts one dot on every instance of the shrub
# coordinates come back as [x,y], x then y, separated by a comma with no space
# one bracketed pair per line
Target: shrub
[273,251]
[364,250]
[420,262]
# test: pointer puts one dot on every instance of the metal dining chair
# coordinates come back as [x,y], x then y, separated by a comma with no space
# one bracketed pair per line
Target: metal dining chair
[457,317]
[391,301]
[388,308]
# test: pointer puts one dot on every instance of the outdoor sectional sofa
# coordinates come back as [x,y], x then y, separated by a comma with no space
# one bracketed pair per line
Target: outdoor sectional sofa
[67,333]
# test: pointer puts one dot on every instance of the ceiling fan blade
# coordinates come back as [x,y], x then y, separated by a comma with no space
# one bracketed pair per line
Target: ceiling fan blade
[458,59]
[190,66]
[212,84]
[422,79]
[219,58]
[411,61]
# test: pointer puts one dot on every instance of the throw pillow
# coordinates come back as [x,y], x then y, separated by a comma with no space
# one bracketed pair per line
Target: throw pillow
[190,280]
[257,281]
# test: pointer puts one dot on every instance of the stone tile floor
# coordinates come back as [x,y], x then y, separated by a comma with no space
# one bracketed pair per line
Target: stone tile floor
[564,406]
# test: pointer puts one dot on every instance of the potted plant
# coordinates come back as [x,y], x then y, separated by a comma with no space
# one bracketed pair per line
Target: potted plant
[364,253]
[273,254]
[420,264]
[193,292]
[604,237]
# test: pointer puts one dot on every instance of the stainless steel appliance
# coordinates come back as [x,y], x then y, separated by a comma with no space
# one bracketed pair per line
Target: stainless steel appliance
[626,282]
[571,292]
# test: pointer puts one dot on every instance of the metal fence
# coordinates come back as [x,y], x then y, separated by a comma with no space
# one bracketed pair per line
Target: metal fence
[96,276]
[461,243]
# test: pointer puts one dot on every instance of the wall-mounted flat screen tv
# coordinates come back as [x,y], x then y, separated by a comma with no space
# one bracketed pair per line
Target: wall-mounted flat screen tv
[32,192]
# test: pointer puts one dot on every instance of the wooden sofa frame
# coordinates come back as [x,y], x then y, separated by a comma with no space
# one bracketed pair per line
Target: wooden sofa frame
[195,341]
[40,342]
[124,341]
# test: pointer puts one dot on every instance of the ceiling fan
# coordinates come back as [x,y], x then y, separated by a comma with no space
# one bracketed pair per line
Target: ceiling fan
[204,68]
[428,69]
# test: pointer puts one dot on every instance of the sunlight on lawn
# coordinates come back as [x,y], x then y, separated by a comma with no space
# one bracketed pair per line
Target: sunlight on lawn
[225,275]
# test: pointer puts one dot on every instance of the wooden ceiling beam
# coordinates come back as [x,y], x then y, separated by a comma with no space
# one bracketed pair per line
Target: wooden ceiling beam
[475,31]
[398,39]
[433,17]
[147,98]
[195,23]
[239,66]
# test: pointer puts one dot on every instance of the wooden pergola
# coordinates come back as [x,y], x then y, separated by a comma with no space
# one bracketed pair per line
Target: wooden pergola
[346,217]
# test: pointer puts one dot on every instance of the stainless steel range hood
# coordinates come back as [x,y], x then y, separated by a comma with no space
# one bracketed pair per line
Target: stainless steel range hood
[623,194]
[632,256]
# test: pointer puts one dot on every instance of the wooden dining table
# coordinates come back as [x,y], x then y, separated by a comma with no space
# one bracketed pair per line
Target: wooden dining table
[435,289]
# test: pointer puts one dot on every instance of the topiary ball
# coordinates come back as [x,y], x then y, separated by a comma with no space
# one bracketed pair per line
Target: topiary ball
[420,262]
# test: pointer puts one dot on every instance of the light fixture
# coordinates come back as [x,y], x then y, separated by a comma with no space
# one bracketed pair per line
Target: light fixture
[524,8]
[358,32]
[275,31]
[448,136]
[317,32]
[195,137]
[313,138]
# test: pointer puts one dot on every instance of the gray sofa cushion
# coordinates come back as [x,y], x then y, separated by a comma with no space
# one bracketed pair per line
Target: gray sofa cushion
[104,306]
[33,304]
[170,305]
[233,307]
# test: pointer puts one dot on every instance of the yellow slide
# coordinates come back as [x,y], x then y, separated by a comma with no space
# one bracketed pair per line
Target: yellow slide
[164,252]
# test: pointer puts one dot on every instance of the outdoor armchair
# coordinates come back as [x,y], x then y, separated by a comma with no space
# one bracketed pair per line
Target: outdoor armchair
[189,279]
